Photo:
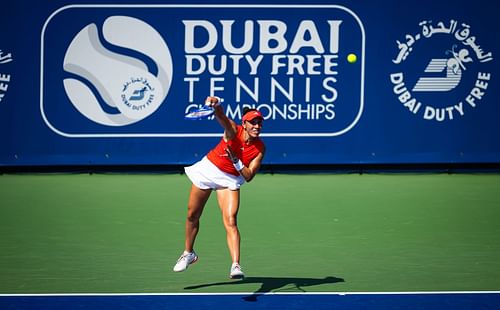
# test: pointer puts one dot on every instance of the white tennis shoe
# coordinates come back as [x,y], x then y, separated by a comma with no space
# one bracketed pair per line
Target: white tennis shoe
[236,272]
[185,260]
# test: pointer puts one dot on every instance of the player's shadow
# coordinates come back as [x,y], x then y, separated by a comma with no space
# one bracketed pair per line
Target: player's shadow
[270,284]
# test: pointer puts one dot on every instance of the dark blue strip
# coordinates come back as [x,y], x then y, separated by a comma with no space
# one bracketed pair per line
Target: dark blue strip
[241,302]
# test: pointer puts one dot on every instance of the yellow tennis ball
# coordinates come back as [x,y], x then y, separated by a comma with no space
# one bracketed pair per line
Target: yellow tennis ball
[352,58]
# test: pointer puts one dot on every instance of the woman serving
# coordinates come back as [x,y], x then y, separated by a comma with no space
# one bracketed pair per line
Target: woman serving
[232,162]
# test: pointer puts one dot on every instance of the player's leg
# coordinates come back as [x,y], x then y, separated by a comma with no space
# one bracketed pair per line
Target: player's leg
[197,200]
[229,202]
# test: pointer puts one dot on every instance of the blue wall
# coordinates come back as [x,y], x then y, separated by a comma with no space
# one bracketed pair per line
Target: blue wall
[109,84]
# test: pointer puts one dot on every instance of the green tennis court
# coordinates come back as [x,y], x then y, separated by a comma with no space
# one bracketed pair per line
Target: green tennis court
[78,233]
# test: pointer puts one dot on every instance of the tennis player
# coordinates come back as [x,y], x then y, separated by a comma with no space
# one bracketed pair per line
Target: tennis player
[232,162]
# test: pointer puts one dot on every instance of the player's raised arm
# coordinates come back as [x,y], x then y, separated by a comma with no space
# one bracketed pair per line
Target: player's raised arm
[228,125]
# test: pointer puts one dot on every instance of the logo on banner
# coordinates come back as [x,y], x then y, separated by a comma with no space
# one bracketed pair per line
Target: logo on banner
[5,58]
[452,80]
[112,88]
[112,74]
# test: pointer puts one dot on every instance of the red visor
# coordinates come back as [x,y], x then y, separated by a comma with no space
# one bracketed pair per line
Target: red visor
[251,115]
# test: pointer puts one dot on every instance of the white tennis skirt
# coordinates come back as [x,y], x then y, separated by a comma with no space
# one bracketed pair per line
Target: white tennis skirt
[205,175]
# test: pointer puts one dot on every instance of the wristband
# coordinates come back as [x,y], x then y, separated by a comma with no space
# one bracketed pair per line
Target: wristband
[239,165]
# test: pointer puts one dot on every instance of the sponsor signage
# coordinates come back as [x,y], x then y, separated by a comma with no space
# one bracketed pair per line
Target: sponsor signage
[135,70]
[109,83]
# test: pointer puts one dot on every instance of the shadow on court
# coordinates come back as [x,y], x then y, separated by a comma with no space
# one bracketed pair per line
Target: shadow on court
[270,284]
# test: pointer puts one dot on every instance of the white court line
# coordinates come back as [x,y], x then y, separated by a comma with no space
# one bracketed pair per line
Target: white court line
[247,293]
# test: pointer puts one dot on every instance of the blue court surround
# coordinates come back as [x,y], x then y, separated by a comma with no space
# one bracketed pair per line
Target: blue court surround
[241,301]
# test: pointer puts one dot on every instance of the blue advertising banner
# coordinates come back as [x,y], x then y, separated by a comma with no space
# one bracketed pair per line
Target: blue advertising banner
[337,82]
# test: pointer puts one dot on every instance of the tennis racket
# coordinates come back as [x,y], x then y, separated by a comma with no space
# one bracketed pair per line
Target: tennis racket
[200,113]
[205,111]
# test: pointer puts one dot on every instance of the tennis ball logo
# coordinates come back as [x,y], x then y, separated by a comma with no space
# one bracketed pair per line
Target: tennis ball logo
[113,88]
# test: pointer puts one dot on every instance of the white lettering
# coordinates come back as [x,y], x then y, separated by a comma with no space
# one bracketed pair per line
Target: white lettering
[404,94]
[4,86]
[227,37]
[330,64]
[189,34]
[272,39]
[214,87]
[191,82]
[334,35]
[302,64]
[275,85]
[441,114]
[397,78]
[295,63]
[267,36]
[198,64]
[330,88]
[253,63]
[477,92]
[254,94]
[307,28]
[213,49]
[212,65]
[4,77]
[190,61]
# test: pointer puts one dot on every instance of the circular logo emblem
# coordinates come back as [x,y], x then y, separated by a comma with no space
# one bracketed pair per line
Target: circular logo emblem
[120,81]
[442,70]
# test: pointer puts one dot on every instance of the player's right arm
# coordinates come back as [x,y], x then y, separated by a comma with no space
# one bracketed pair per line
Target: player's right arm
[246,172]
[228,125]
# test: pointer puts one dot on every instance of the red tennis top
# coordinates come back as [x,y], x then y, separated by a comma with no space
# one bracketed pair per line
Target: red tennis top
[246,152]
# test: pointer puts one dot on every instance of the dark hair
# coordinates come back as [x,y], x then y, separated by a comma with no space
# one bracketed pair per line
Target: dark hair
[247,109]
